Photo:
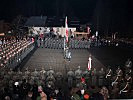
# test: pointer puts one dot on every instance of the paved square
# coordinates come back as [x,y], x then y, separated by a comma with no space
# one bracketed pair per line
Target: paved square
[44,57]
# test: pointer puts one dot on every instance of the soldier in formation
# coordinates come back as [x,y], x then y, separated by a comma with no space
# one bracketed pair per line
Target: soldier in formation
[87,76]
[94,77]
[118,76]
[42,74]
[59,43]
[50,71]
[70,78]
[108,77]
[125,88]
[101,77]
[78,75]
[128,63]
[59,79]
[13,51]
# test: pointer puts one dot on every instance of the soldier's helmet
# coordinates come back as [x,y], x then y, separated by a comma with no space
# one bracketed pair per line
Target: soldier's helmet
[35,71]
[118,68]
[59,75]
[70,71]
[78,67]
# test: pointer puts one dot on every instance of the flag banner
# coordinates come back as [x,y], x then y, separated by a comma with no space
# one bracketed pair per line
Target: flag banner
[89,63]
[66,26]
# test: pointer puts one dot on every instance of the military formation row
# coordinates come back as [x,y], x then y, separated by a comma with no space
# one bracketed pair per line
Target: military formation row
[59,43]
[91,78]
[13,51]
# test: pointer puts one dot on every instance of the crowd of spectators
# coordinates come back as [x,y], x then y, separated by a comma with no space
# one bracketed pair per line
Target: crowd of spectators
[76,85]
[13,51]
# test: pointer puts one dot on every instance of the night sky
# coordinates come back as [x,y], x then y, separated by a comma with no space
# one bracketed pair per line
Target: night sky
[106,16]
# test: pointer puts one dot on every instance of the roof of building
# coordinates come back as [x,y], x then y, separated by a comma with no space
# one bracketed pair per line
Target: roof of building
[36,21]
[60,21]
[41,21]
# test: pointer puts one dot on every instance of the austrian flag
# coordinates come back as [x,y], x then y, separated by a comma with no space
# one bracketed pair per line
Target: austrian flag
[66,26]
[89,63]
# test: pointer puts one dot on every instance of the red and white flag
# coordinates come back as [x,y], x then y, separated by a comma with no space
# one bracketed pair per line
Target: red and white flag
[66,26]
[89,63]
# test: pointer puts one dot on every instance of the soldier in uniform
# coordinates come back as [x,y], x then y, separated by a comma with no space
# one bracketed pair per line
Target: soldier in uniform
[42,42]
[75,44]
[78,75]
[78,44]
[101,77]
[19,73]
[128,63]
[59,45]
[119,73]
[50,80]
[27,73]
[50,71]
[51,43]
[127,86]
[47,43]
[38,42]
[56,44]
[94,77]
[109,74]
[118,77]
[62,44]
[43,74]
[59,79]
[129,71]
[87,76]
[6,77]
[45,40]
[85,44]
[35,75]
[70,78]
[72,44]
[11,72]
